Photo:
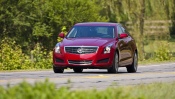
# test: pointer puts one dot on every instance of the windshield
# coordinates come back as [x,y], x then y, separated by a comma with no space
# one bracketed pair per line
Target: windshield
[91,32]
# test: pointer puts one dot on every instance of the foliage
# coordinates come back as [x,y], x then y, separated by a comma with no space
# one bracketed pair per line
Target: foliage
[36,23]
[48,90]
[163,53]
[12,57]
[63,30]
[160,50]
[137,11]
[40,58]
[45,90]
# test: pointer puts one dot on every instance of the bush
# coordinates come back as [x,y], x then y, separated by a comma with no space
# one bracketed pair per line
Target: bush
[48,90]
[12,57]
[163,52]
[25,90]
[40,58]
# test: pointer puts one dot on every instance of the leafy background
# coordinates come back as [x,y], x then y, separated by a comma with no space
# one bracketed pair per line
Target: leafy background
[29,28]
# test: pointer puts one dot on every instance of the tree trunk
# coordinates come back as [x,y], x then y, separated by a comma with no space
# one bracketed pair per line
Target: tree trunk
[142,15]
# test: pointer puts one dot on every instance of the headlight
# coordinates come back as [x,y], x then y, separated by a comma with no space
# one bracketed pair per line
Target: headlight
[57,48]
[107,49]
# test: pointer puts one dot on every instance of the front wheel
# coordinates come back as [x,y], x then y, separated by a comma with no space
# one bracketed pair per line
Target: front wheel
[133,67]
[115,65]
[57,70]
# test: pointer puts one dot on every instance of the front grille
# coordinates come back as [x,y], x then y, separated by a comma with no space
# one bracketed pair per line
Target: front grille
[81,49]
[84,62]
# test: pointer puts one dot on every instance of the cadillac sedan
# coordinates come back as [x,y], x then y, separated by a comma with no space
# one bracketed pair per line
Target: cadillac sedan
[96,45]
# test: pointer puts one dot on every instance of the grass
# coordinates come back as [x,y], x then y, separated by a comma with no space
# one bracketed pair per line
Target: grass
[159,51]
[155,45]
[25,70]
[153,91]
[153,61]
[47,90]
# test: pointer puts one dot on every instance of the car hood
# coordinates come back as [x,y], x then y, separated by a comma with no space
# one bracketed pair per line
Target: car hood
[85,41]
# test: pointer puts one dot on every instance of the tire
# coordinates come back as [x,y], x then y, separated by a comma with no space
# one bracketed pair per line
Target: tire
[57,70]
[115,65]
[78,70]
[133,67]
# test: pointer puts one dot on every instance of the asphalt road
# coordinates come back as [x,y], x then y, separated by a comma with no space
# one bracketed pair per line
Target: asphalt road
[94,78]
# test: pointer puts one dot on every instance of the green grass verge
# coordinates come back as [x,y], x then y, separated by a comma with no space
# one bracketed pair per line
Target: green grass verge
[153,61]
[155,45]
[48,90]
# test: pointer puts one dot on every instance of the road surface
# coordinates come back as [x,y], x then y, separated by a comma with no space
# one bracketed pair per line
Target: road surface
[94,78]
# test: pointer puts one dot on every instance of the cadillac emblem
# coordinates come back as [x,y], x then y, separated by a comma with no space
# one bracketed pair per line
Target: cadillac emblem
[80,50]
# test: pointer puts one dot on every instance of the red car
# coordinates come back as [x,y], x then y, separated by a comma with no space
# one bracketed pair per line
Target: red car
[96,45]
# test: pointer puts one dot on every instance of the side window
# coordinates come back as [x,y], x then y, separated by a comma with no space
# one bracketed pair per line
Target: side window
[119,30]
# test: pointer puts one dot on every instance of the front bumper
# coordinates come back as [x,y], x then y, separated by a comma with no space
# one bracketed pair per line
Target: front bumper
[93,60]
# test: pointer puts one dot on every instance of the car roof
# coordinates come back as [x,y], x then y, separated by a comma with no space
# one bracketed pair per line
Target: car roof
[97,24]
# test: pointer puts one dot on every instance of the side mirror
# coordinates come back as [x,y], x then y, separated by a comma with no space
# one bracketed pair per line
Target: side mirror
[123,35]
[61,35]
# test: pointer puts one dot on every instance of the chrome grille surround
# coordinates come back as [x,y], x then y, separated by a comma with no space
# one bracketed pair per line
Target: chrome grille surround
[81,49]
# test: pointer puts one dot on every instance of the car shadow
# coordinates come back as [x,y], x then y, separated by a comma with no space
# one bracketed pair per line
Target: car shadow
[98,72]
